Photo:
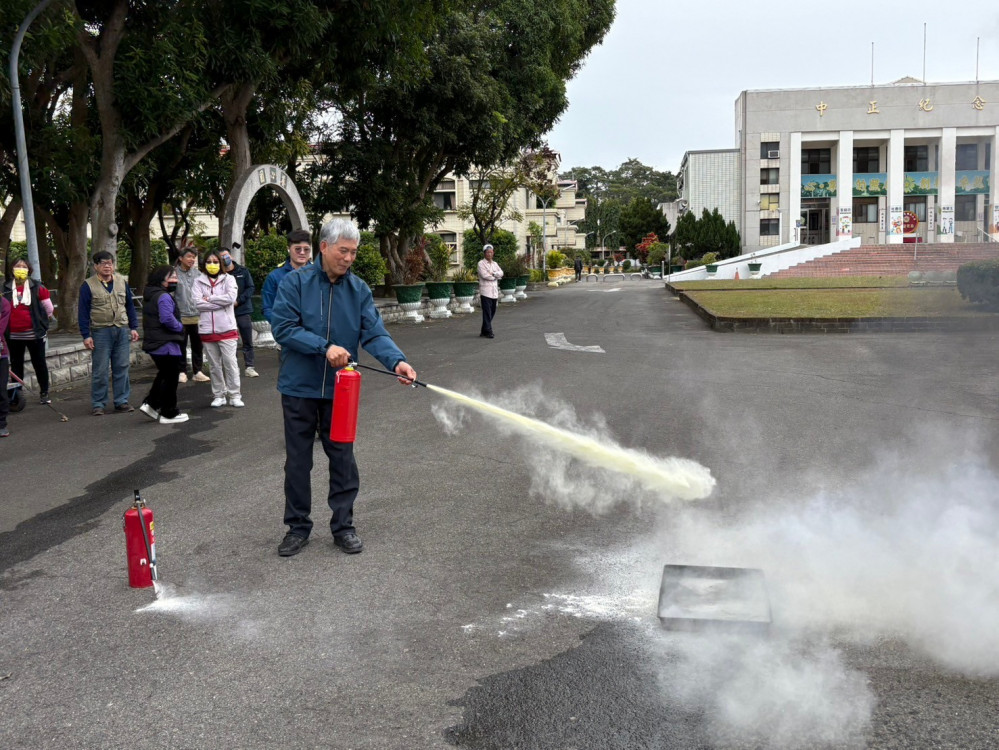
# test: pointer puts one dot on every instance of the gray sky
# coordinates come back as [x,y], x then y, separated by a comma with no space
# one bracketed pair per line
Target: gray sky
[666,78]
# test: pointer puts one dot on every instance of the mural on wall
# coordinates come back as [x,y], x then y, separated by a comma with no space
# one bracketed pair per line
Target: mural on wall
[972,182]
[921,183]
[870,184]
[844,229]
[818,186]
[946,221]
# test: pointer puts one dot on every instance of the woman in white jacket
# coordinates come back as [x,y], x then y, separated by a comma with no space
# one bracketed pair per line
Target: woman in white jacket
[214,295]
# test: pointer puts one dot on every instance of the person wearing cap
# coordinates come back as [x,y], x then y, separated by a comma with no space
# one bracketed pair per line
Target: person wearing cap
[299,254]
[187,273]
[322,315]
[489,275]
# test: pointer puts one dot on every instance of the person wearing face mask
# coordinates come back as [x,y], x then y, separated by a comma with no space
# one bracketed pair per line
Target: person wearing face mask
[163,334]
[215,295]
[4,367]
[244,307]
[31,308]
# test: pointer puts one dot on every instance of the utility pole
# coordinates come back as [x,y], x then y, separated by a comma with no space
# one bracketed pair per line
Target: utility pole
[28,205]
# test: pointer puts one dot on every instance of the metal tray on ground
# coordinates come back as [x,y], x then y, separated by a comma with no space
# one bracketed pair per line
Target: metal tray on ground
[699,598]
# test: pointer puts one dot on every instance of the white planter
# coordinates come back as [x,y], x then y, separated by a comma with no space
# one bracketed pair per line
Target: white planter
[411,311]
[508,295]
[440,308]
[464,304]
[521,294]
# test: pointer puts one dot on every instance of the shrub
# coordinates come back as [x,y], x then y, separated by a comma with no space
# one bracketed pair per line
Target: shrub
[555,259]
[709,258]
[657,253]
[979,282]
[265,254]
[626,265]
[369,265]
[440,257]
[504,246]
[537,275]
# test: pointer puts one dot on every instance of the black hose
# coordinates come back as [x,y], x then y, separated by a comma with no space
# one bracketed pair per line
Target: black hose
[387,372]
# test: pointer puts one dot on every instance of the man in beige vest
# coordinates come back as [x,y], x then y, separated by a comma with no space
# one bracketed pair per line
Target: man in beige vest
[108,324]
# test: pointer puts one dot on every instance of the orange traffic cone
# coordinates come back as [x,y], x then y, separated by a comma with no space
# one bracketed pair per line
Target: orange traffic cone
[737,275]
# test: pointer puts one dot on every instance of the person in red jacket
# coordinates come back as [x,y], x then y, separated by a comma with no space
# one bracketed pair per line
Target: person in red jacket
[31,308]
[4,364]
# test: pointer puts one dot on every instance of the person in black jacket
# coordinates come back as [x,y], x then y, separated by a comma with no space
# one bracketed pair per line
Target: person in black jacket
[31,308]
[163,334]
[243,307]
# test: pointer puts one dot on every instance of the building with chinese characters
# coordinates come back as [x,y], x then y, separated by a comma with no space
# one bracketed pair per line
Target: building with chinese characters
[904,162]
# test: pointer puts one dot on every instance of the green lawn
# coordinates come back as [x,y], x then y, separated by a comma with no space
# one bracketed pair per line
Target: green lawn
[792,302]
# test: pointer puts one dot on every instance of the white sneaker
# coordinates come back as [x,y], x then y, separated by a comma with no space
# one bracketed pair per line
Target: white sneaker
[237,402]
[220,401]
[200,377]
[149,411]
[174,420]
[182,378]
[252,373]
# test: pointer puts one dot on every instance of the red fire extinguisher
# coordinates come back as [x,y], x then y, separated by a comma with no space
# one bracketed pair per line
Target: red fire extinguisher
[140,544]
[346,397]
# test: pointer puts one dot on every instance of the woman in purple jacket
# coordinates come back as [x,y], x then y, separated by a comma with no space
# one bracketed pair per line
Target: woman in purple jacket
[163,334]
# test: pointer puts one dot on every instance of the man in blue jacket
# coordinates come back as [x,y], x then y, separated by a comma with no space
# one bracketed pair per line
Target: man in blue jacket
[321,316]
[299,254]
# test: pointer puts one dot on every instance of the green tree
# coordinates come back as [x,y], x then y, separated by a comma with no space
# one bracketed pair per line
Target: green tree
[685,238]
[369,263]
[504,247]
[639,218]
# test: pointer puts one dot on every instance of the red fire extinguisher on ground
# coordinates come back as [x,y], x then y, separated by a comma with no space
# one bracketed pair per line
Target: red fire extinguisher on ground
[140,544]
[346,398]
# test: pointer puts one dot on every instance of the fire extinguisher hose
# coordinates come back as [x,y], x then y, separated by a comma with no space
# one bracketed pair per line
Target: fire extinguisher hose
[414,383]
[140,504]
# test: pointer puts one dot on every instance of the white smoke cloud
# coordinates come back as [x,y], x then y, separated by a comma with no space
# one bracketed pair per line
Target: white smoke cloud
[577,465]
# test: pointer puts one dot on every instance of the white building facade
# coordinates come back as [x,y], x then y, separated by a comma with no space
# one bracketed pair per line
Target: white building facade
[709,180]
[905,162]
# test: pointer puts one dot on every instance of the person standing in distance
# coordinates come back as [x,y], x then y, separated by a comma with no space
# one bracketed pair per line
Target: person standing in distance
[489,275]
[321,316]
[299,254]
[108,324]
[244,307]
[187,273]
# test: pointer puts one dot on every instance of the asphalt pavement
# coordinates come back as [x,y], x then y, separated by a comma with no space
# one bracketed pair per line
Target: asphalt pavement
[507,595]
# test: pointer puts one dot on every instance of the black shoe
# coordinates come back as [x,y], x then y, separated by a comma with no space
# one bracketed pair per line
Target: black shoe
[292,544]
[44,398]
[126,408]
[350,543]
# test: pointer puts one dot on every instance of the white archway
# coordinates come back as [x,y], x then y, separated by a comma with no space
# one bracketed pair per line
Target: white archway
[259,176]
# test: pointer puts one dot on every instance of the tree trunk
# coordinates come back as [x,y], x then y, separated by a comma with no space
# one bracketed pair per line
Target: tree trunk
[7,226]
[45,269]
[235,101]
[71,244]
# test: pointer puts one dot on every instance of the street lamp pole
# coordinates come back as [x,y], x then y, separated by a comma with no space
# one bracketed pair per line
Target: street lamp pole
[28,206]
[544,233]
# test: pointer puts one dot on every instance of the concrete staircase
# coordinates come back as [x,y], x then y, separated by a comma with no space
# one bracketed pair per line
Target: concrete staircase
[892,260]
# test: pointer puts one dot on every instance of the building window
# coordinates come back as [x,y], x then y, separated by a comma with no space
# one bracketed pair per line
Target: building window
[918,207]
[816,161]
[965,208]
[770,176]
[866,159]
[916,159]
[865,211]
[445,201]
[967,156]
[770,150]
[769,227]
[770,201]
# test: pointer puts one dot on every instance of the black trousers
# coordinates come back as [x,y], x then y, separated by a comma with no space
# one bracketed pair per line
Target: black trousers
[197,351]
[245,325]
[36,348]
[488,311]
[163,395]
[302,416]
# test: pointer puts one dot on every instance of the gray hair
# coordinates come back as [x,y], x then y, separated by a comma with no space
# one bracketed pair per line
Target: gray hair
[337,229]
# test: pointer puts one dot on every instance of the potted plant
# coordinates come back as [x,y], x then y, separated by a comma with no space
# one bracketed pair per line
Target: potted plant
[438,284]
[465,285]
[409,293]
[508,284]
[754,270]
[520,271]
[710,264]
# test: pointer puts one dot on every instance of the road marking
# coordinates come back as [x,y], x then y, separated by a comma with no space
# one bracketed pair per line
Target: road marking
[612,289]
[558,341]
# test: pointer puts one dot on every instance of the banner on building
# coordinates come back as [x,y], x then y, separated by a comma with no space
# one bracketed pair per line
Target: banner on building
[896,222]
[920,183]
[995,221]
[844,229]
[946,221]
[881,220]
[971,182]
[930,218]
[870,184]
[818,186]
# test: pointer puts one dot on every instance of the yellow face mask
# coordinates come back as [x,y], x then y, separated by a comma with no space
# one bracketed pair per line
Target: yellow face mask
[212,268]
[20,274]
